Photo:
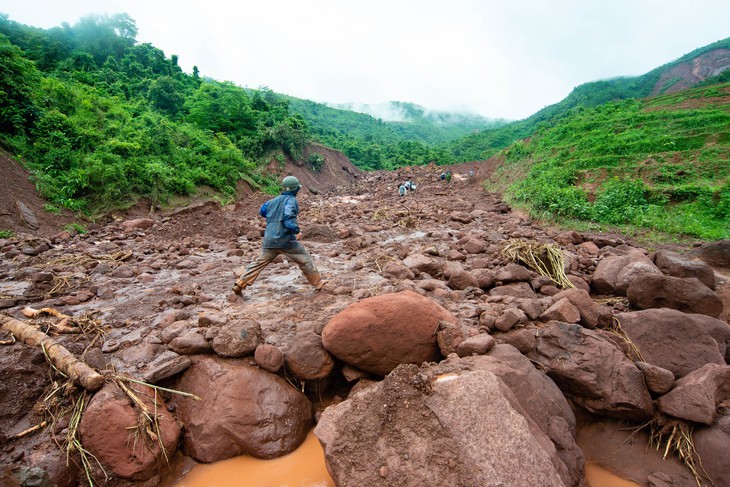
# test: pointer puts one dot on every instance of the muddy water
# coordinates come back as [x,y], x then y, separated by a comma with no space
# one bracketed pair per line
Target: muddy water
[301,468]
[305,468]
[598,477]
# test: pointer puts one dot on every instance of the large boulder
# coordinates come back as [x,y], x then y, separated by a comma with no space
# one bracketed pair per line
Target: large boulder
[379,333]
[688,294]
[242,409]
[697,395]
[677,265]
[716,254]
[111,419]
[593,372]
[462,428]
[541,399]
[677,341]
[614,274]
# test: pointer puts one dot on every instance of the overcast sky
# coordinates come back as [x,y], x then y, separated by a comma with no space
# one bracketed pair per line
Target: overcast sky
[499,58]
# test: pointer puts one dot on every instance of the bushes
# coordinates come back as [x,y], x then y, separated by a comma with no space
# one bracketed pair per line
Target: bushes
[315,161]
[620,202]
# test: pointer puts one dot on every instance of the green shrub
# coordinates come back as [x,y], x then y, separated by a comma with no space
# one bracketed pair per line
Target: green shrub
[316,161]
[7,233]
[75,228]
[50,208]
[621,201]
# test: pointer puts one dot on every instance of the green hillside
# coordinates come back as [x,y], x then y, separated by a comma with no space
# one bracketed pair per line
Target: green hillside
[372,143]
[101,120]
[489,142]
[660,163]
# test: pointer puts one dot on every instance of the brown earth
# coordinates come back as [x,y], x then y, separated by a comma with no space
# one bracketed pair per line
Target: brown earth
[179,270]
[17,190]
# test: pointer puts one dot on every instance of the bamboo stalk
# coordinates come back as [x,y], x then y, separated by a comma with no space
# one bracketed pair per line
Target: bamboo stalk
[59,356]
[31,429]
[29,312]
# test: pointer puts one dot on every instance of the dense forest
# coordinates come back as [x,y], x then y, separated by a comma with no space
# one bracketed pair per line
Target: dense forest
[101,120]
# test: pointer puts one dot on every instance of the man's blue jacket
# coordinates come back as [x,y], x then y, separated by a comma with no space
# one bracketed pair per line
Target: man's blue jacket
[281,221]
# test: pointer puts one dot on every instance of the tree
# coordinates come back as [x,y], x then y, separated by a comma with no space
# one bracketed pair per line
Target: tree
[165,94]
[18,80]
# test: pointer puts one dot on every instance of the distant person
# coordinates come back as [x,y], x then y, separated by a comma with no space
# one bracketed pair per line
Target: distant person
[442,177]
[448,176]
[280,237]
[407,184]
[413,187]
[402,190]
[471,174]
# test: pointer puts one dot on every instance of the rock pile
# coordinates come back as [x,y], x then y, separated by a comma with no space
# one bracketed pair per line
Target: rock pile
[437,356]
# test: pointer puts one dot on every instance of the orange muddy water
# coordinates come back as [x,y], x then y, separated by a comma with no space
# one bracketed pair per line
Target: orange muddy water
[302,468]
[598,477]
[305,468]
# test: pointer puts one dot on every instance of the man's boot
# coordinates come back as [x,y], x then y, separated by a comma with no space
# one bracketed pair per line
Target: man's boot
[321,286]
[238,288]
[315,279]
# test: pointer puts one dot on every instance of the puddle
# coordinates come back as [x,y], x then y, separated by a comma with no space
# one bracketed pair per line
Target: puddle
[400,238]
[304,467]
[13,288]
[350,200]
[599,477]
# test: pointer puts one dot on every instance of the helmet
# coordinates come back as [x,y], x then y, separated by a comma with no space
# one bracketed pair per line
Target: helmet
[290,183]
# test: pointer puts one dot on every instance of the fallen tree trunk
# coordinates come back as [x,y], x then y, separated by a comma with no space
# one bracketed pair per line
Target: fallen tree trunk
[61,358]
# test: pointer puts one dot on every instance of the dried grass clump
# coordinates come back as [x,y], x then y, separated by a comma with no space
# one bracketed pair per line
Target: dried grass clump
[380,215]
[634,354]
[674,437]
[544,258]
[66,276]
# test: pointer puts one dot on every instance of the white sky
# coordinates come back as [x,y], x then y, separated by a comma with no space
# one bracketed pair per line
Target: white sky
[498,58]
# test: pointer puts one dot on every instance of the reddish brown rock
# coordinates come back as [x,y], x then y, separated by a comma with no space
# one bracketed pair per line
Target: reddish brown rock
[688,295]
[462,279]
[448,336]
[269,358]
[696,396]
[562,310]
[139,223]
[456,429]
[237,338]
[509,318]
[476,345]
[677,341]
[423,263]
[716,254]
[677,265]
[708,442]
[587,308]
[379,333]
[307,359]
[593,372]
[658,380]
[614,274]
[105,430]
[242,409]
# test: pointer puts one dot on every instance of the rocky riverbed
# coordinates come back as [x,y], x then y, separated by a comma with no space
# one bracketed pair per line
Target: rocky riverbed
[435,353]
